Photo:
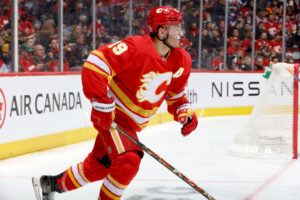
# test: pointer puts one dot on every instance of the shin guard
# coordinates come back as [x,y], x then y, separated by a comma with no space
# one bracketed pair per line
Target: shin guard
[123,169]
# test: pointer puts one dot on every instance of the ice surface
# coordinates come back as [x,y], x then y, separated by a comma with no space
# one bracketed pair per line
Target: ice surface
[203,157]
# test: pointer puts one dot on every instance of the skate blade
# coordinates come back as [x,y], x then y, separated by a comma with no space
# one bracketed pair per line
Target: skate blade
[37,188]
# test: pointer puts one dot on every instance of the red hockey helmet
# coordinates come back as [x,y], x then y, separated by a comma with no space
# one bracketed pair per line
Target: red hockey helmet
[163,15]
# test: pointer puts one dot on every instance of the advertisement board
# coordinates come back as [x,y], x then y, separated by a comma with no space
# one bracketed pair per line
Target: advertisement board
[44,111]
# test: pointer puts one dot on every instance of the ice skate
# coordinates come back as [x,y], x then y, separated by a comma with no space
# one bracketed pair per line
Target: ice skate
[46,187]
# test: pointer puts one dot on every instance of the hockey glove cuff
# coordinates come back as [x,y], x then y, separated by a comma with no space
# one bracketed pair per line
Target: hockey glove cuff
[187,117]
[103,112]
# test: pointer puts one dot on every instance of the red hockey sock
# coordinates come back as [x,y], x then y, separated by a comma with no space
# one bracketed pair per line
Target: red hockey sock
[84,172]
[123,169]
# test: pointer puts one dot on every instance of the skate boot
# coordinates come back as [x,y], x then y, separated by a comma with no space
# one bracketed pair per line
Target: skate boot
[49,186]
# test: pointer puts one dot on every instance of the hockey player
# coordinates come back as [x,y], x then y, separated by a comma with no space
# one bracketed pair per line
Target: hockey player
[127,82]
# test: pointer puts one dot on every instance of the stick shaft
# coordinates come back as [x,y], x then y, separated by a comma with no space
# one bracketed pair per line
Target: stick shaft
[163,162]
[295,76]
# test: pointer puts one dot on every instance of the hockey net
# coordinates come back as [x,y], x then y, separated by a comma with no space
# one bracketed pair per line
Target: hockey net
[272,128]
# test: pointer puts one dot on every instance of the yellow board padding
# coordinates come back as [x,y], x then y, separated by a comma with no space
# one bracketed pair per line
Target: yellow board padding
[20,147]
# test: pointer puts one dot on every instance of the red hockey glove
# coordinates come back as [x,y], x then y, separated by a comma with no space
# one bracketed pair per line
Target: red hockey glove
[187,117]
[103,112]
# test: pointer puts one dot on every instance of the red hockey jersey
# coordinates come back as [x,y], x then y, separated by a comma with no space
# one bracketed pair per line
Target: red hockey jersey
[138,78]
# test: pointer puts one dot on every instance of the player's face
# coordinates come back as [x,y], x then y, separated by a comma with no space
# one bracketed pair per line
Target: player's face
[175,34]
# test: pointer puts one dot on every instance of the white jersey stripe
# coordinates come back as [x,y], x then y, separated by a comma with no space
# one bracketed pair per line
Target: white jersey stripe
[112,188]
[63,182]
[77,175]
[138,119]
[117,140]
[181,94]
[99,63]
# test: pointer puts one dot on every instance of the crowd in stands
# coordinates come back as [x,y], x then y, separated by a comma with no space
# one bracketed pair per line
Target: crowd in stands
[268,34]
[38,33]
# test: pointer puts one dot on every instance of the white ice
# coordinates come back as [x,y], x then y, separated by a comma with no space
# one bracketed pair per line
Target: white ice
[202,157]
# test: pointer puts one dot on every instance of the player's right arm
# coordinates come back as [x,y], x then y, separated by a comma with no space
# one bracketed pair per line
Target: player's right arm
[95,76]
[101,65]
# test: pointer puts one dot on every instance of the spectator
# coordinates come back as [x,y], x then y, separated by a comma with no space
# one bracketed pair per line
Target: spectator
[217,63]
[54,65]
[261,17]
[78,54]
[4,19]
[246,64]
[217,40]
[265,52]
[235,34]
[218,11]
[206,40]
[235,47]
[232,62]
[240,26]
[25,26]
[275,59]
[185,43]
[46,32]
[262,41]
[221,26]
[192,19]
[5,36]
[259,30]
[25,62]
[4,59]
[40,59]
[259,63]
[296,39]
[274,9]
[193,35]
[66,33]
[271,25]
[52,51]
[100,29]
[30,41]
[79,10]
[276,43]
[274,55]
[76,31]
[246,44]
[209,28]
[289,58]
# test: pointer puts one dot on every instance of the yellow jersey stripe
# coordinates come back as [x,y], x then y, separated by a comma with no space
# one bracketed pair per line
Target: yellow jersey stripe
[115,182]
[100,54]
[117,141]
[70,173]
[109,194]
[139,125]
[95,69]
[130,105]
[82,173]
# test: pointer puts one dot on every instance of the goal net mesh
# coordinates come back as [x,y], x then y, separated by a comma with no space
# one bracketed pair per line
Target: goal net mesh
[269,129]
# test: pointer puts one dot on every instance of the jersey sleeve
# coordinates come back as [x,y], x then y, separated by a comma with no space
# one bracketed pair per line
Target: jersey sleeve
[102,64]
[176,96]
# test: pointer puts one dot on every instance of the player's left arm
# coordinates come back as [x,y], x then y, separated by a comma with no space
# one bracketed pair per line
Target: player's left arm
[178,104]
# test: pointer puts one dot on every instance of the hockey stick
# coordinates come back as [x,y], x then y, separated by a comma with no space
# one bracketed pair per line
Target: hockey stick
[295,76]
[163,162]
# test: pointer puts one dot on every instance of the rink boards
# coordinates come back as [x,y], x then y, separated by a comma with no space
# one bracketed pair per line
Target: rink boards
[42,111]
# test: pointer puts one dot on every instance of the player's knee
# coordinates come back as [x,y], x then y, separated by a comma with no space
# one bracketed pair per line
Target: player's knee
[131,162]
[128,163]
[96,169]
